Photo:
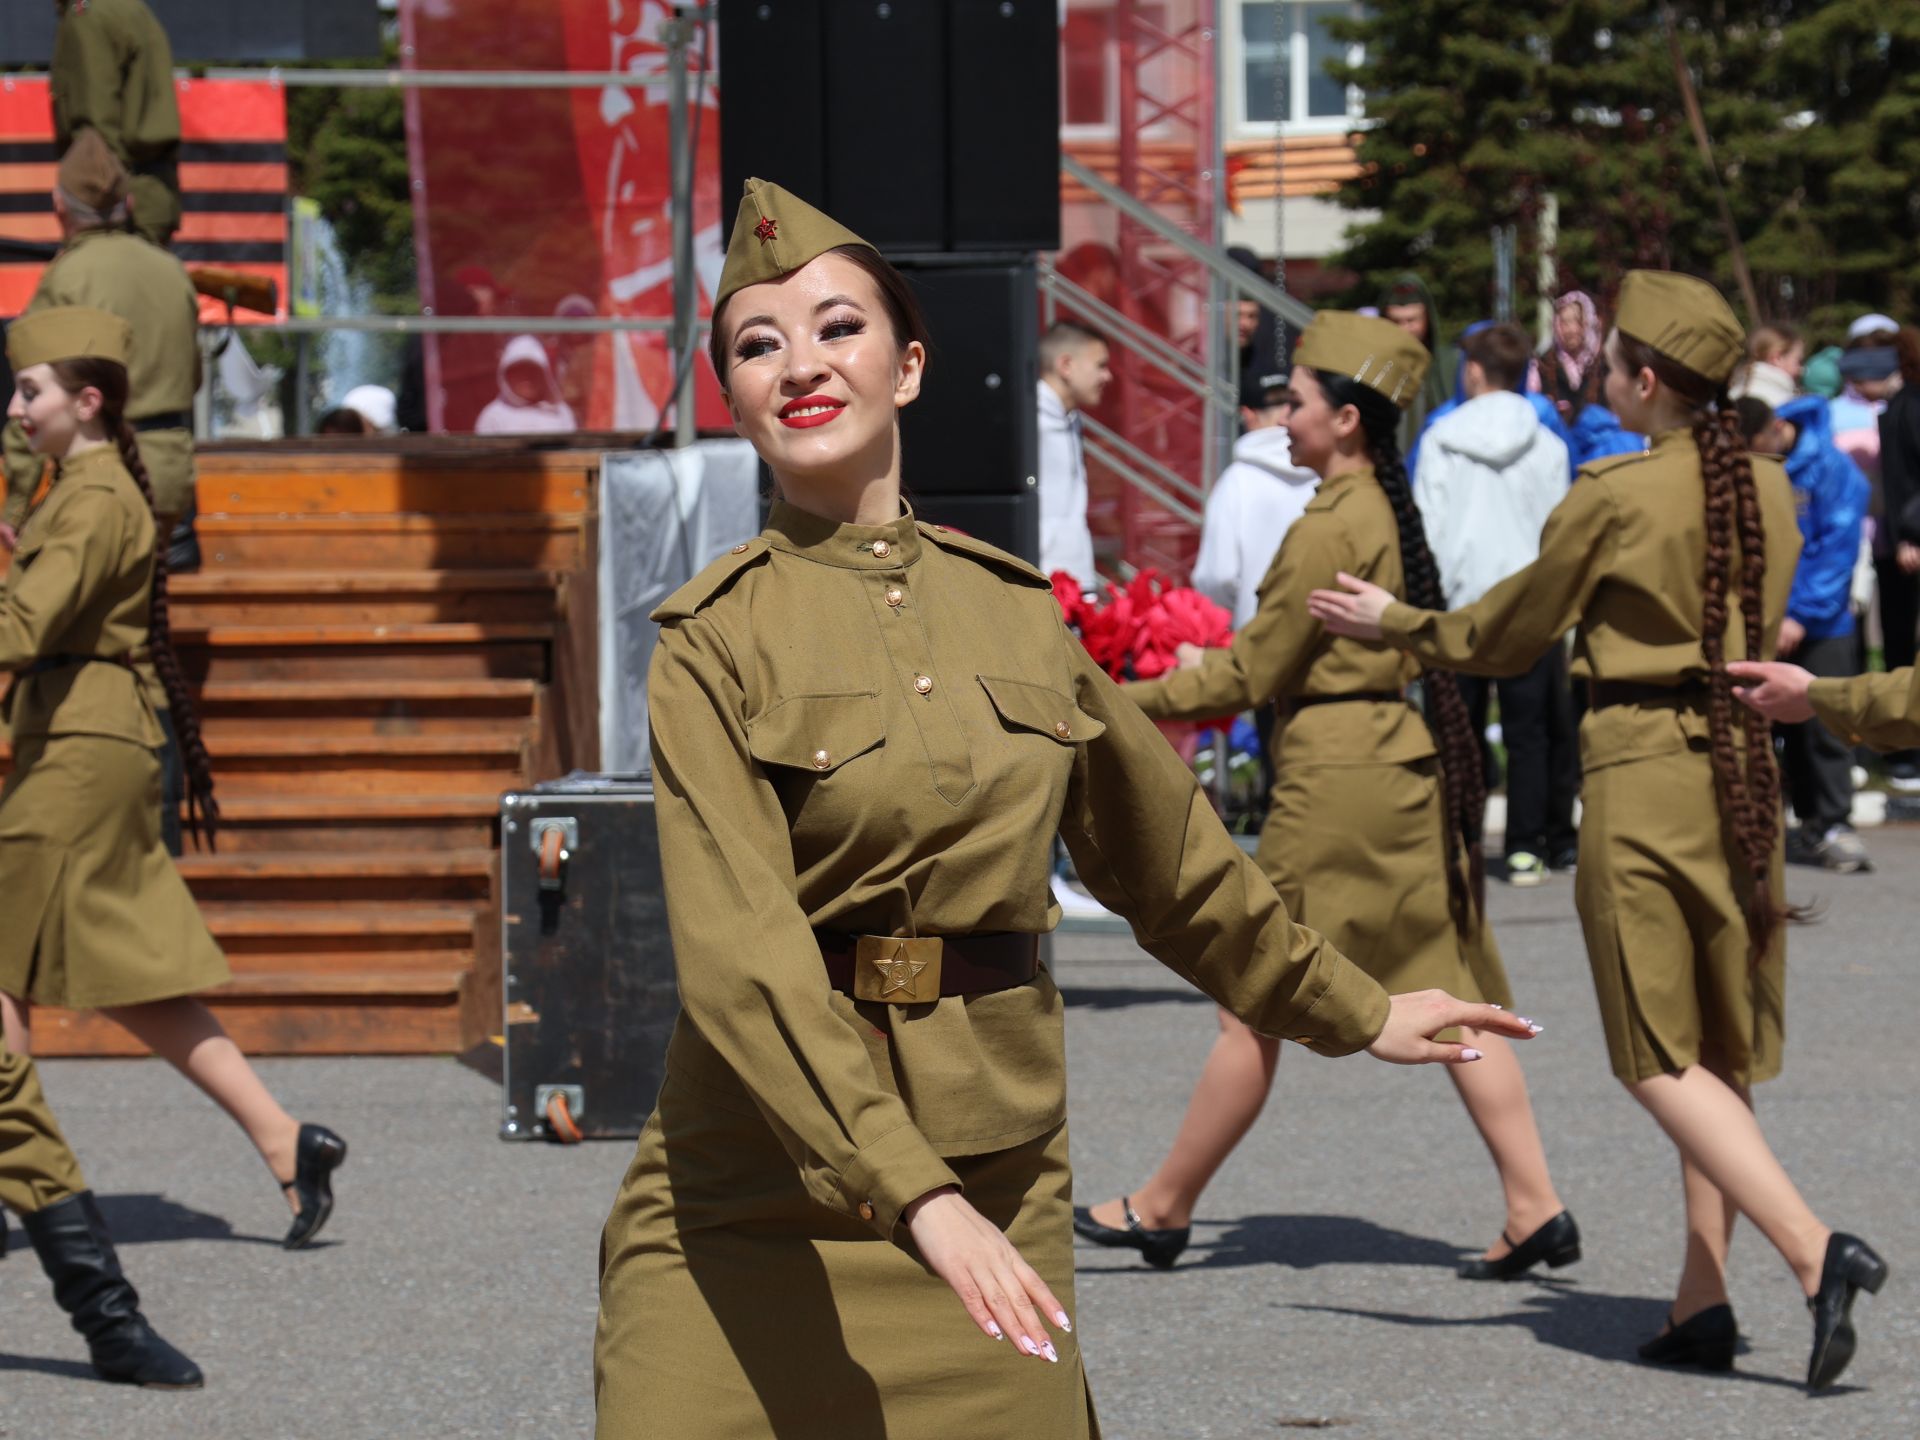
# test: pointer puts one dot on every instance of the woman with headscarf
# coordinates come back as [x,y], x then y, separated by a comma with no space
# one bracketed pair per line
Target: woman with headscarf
[1570,361]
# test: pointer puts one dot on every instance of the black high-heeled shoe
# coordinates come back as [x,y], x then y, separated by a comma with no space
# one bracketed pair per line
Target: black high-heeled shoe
[1557,1243]
[320,1153]
[1851,1266]
[1161,1247]
[1706,1339]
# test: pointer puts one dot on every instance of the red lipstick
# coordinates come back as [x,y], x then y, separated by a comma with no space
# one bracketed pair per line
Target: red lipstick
[823,408]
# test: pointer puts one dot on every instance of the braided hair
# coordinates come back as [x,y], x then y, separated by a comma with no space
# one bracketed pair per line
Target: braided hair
[1749,792]
[110,379]
[1462,771]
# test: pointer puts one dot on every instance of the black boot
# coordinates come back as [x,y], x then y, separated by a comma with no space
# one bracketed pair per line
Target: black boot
[75,1251]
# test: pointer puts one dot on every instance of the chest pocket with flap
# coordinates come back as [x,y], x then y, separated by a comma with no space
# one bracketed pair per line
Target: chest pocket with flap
[817,734]
[1041,709]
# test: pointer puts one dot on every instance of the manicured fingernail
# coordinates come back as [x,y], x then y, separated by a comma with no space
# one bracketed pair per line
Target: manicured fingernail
[1469,1054]
[1053,1356]
[1028,1346]
[1523,1020]
[994,1330]
[1060,1319]
[1496,1007]
[1536,1029]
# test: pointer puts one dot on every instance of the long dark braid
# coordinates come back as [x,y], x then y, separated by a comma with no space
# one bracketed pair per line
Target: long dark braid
[203,810]
[1463,773]
[1749,794]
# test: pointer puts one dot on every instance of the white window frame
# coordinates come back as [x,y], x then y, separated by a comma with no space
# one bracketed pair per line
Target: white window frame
[1233,98]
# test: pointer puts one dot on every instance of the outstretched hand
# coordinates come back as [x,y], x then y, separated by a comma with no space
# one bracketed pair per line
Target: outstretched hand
[1354,610]
[1774,688]
[1419,1015]
[1003,1293]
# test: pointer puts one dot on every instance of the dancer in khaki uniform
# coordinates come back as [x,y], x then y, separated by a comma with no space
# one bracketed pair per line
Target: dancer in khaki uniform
[866,732]
[1397,882]
[1671,564]
[40,1182]
[1878,710]
[98,917]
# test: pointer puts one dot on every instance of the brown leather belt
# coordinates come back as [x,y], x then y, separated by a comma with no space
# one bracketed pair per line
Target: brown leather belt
[1603,693]
[48,663]
[1382,697]
[901,971]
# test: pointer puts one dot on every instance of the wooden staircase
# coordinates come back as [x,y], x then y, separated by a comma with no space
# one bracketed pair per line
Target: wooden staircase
[383,640]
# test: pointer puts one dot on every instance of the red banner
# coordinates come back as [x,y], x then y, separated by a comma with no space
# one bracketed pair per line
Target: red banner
[537,203]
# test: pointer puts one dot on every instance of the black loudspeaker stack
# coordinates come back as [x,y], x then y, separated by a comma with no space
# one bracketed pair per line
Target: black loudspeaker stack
[931,128]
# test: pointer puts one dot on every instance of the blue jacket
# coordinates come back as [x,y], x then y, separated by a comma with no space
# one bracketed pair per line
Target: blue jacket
[1830,496]
[1597,433]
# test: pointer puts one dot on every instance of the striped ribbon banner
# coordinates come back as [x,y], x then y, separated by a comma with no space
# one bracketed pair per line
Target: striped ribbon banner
[233,182]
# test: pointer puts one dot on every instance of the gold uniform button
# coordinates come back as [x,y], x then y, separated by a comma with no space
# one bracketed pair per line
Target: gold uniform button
[923,683]
[1063,730]
[881,549]
[866,1210]
[741,548]
[821,760]
[895,599]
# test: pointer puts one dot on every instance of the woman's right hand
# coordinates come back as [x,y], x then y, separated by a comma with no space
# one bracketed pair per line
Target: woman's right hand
[1907,556]
[1002,1292]
[1416,1017]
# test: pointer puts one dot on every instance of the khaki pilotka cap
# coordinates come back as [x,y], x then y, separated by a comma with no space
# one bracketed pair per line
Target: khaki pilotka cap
[1377,353]
[1683,318]
[774,234]
[67,332]
[92,174]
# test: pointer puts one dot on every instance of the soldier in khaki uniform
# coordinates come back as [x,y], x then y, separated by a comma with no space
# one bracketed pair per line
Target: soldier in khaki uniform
[113,74]
[105,266]
[98,917]
[1670,564]
[1393,884]
[40,1182]
[866,732]
[1878,710]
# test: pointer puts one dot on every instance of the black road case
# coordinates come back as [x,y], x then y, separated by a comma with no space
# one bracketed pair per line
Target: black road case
[589,987]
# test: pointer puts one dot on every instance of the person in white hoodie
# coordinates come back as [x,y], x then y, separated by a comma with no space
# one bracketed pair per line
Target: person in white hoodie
[529,402]
[1490,474]
[1253,503]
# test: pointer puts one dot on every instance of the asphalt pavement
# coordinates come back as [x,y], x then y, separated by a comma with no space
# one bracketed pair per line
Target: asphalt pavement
[454,1294]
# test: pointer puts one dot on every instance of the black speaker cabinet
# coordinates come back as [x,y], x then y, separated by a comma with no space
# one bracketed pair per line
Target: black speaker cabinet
[1010,521]
[926,126]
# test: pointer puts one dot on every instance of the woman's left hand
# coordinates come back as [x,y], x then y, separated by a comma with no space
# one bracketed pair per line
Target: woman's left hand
[1188,656]
[1416,1017]
[1354,610]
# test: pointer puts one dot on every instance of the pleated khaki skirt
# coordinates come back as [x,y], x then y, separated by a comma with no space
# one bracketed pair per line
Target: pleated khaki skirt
[1358,851]
[734,1307]
[96,913]
[1666,935]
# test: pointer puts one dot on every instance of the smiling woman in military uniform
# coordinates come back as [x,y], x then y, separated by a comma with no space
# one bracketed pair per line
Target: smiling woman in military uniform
[866,732]
[1680,855]
[98,917]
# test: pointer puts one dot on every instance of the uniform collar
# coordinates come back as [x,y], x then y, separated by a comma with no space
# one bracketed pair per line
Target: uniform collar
[851,547]
[90,461]
[1334,484]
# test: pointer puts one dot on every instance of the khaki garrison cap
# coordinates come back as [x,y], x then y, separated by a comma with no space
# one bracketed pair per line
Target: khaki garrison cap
[67,332]
[92,174]
[1684,319]
[774,234]
[1377,353]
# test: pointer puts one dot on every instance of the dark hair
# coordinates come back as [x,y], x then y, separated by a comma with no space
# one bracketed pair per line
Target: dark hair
[1755,415]
[1749,794]
[1064,335]
[1463,776]
[1503,352]
[896,298]
[1872,340]
[1907,346]
[342,421]
[109,377]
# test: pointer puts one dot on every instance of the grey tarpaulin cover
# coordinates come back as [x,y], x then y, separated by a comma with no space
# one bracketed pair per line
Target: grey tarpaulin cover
[663,515]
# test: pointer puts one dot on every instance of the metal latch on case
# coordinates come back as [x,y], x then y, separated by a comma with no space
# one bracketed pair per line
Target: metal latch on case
[554,840]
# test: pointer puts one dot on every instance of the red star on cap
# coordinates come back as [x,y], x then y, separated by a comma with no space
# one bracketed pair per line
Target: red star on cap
[767,228]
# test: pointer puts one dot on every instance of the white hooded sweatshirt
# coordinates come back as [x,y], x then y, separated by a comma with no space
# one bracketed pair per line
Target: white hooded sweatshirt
[1490,474]
[509,414]
[1253,505]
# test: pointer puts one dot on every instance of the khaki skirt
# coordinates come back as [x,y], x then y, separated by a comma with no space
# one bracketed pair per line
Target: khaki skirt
[1665,933]
[96,913]
[734,1307]
[1358,851]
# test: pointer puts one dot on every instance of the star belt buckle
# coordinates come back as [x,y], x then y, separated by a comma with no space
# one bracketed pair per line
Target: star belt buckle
[896,971]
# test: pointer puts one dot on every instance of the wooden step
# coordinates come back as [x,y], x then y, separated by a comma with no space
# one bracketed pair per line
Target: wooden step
[368,707]
[307,597]
[322,878]
[341,936]
[357,822]
[365,543]
[283,484]
[283,762]
[491,650]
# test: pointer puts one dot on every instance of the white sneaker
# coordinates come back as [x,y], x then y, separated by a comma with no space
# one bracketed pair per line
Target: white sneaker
[1524,869]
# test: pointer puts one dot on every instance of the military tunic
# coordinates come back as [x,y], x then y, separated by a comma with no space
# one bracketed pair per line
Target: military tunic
[147,287]
[1622,558]
[879,730]
[1878,710]
[97,915]
[1355,837]
[113,70]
